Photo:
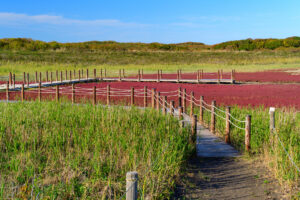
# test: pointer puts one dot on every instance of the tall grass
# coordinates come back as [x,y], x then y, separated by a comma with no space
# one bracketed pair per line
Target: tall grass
[64,151]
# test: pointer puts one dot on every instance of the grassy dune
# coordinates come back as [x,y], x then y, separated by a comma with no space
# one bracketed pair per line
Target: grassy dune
[62,151]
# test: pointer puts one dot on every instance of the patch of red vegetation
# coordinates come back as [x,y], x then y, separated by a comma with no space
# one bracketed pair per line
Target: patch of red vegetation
[287,95]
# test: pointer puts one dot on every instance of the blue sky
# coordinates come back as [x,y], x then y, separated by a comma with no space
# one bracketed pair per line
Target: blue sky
[167,21]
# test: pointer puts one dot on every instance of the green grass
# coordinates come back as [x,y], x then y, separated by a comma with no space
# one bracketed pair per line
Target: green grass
[65,151]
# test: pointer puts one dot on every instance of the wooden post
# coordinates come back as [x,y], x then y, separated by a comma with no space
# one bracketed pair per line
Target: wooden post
[79,75]
[9,78]
[94,96]
[272,119]
[153,98]
[101,75]
[201,110]
[158,80]
[123,73]
[51,77]
[108,95]
[14,81]
[142,75]
[40,77]
[172,105]
[87,74]
[232,76]
[40,92]
[27,80]
[180,112]
[47,76]
[7,91]
[145,96]
[24,78]
[160,76]
[248,133]
[56,76]
[184,100]
[139,75]
[198,76]
[70,75]
[213,117]
[192,105]
[180,74]
[202,74]
[131,186]
[194,127]
[120,75]
[177,76]
[132,97]
[227,125]
[158,101]
[95,73]
[179,97]
[36,76]
[165,105]
[61,76]
[73,93]
[74,74]
[22,93]
[57,93]
[218,76]
[221,75]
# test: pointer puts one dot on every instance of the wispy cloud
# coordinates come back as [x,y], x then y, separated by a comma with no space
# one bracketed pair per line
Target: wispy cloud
[16,18]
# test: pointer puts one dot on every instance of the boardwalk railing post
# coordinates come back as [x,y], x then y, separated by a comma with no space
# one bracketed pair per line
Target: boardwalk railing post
[213,117]
[184,100]
[24,78]
[180,113]
[227,129]
[36,76]
[153,98]
[132,97]
[94,96]
[57,93]
[22,93]
[7,91]
[73,93]
[27,80]
[272,119]
[131,186]
[201,110]
[172,105]
[179,97]
[192,105]
[248,133]
[158,101]
[165,105]
[108,95]
[145,96]
[9,78]
[194,127]
[40,92]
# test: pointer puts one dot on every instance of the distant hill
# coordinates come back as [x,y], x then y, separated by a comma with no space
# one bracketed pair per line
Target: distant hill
[247,45]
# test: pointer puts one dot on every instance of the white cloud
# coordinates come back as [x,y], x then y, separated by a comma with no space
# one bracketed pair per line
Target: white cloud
[15,19]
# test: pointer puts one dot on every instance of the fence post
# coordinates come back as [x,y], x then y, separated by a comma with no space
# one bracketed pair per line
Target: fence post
[108,95]
[272,119]
[57,93]
[194,127]
[70,75]
[153,98]
[221,74]
[179,97]
[145,96]
[22,93]
[7,91]
[201,110]
[165,105]
[14,81]
[66,74]
[172,105]
[24,78]
[36,76]
[213,117]
[198,76]
[87,74]
[131,186]
[74,74]
[79,75]
[180,113]
[95,73]
[47,76]
[28,80]
[120,75]
[142,76]
[218,76]
[40,77]
[227,129]
[139,76]
[56,75]
[132,97]
[61,76]
[9,78]
[184,100]
[192,105]
[94,96]
[180,74]
[248,133]
[40,92]
[157,101]
[51,77]
[101,76]
[158,80]
[177,76]
[73,93]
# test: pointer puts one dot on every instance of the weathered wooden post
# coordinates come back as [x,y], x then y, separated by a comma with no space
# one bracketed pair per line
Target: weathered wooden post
[57,93]
[56,75]
[36,76]
[74,74]
[221,75]
[24,78]
[184,100]
[7,91]
[131,186]
[180,112]
[172,106]
[14,81]
[227,125]
[145,96]
[73,93]
[177,76]
[9,78]
[248,133]
[70,75]
[66,74]
[218,76]
[213,117]
[47,76]
[202,74]
[40,92]
[198,76]
[87,74]
[192,105]
[79,75]
[82,74]
[22,93]
[27,80]
[139,76]
[94,96]
[95,73]
[153,98]
[165,105]
[194,127]
[40,77]
[179,97]
[120,75]
[142,75]
[132,97]
[201,110]
[158,80]
[158,101]
[51,77]
[61,76]
[272,119]
[108,95]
